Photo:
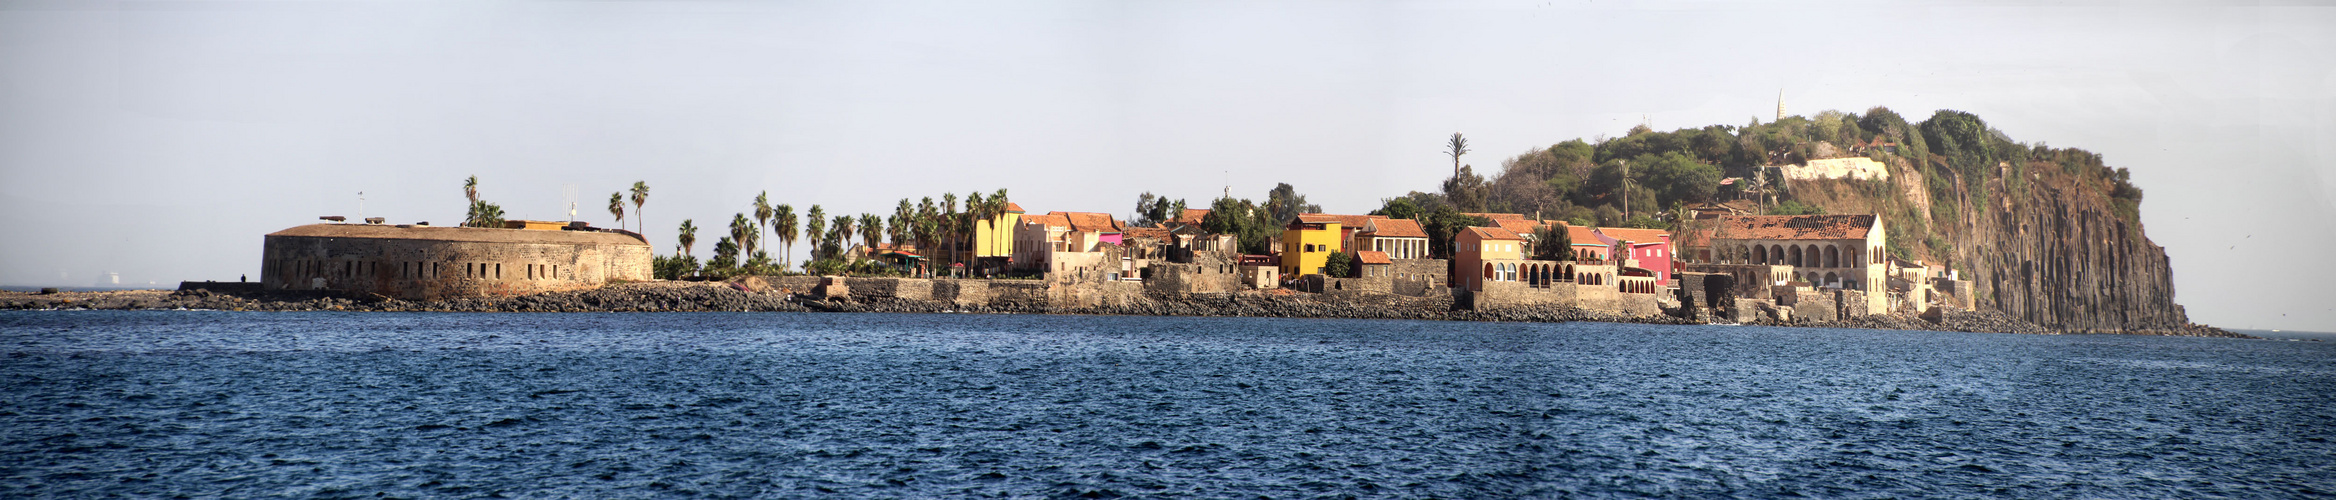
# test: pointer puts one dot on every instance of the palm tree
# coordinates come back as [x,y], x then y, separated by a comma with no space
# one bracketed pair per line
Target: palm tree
[840,233]
[762,209]
[641,197]
[616,207]
[743,232]
[871,230]
[901,220]
[949,225]
[815,228]
[1456,147]
[689,236]
[975,206]
[783,225]
[470,188]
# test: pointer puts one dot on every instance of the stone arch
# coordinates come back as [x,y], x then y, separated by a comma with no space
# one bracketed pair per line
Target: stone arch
[1759,255]
[1488,275]
[1831,278]
[1793,256]
[1832,256]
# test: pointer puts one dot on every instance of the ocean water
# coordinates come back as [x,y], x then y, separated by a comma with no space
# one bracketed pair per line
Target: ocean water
[223,404]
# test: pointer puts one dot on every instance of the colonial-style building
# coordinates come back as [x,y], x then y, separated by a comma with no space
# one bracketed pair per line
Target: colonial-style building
[1067,244]
[1308,242]
[431,263]
[1481,254]
[1841,251]
[1398,238]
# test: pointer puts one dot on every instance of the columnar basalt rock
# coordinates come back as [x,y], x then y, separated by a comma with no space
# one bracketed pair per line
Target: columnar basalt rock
[2063,260]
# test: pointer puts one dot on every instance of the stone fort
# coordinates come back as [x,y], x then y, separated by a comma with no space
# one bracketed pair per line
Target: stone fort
[432,263]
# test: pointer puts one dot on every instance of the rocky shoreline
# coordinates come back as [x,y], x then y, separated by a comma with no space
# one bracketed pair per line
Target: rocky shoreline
[726,297]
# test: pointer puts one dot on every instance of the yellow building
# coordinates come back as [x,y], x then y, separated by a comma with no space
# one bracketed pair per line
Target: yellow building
[1307,244]
[995,237]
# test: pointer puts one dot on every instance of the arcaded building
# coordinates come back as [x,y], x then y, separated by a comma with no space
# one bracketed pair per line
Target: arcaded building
[430,263]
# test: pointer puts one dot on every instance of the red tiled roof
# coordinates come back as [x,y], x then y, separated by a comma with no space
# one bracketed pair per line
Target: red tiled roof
[1635,235]
[1497,217]
[1013,207]
[1792,227]
[1050,220]
[1583,236]
[1146,232]
[1371,257]
[1494,233]
[1519,226]
[1320,219]
[1089,221]
[1192,215]
[1355,222]
[1396,228]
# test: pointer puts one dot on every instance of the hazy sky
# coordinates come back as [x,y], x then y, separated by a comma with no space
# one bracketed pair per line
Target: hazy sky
[160,140]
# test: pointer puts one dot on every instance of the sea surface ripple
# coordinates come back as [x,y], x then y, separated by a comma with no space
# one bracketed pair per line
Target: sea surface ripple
[225,404]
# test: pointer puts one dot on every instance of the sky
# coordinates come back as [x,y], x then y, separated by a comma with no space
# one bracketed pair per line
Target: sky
[159,141]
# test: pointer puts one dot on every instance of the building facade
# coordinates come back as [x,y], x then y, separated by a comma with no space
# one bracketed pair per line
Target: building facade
[1307,244]
[434,263]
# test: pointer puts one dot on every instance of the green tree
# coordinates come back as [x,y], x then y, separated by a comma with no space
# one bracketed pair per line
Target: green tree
[743,233]
[1339,265]
[1399,208]
[815,228]
[641,197]
[616,207]
[470,189]
[903,221]
[783,227]
[484,214]
[1285,204]
[871,230]
[689,236]
[762,213]
[845,227]
[1553,242]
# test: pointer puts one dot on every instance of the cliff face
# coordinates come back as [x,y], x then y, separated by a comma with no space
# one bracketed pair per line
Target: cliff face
[2059,256]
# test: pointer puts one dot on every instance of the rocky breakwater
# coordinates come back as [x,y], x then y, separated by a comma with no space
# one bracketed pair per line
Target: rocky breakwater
[626,297]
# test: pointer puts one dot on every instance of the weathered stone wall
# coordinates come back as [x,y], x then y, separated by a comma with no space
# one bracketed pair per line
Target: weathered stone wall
[426,269]
[1512,294]
[1853,304]
[1170,278]
[1715,291]
[891,288]
[1815,305]
[1420,277]
[1640,304]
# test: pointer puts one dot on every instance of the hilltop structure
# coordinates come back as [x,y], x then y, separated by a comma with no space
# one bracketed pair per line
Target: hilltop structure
[417,262]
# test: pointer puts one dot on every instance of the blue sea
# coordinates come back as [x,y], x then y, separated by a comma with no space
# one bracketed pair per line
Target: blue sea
[384,405]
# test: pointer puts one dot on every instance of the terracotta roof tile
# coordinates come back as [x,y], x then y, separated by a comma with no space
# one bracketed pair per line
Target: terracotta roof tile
[1494,233]
[1396,228]
[1497,217]
[1013,207]
[1583,236]
[1372,257]
[1146,232]
[1050,220]
[1635,235]
[1089,221]
[1350,221]
[1793,227]
[1519,226]
[1193,215]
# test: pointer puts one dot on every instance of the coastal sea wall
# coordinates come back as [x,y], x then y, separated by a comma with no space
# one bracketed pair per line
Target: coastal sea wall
[1014,297]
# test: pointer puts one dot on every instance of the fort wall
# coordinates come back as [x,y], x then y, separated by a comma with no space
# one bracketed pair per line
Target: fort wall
[425,263]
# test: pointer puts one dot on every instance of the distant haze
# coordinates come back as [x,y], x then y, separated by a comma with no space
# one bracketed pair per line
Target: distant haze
[160,140]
